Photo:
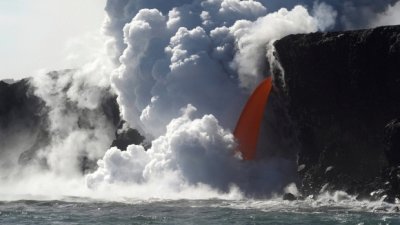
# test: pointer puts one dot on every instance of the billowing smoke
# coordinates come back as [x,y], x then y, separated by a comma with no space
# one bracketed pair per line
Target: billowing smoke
[73,132]
[167,65]
[390,16]
[351,14]
[121,12]
[75,116]
[182,71]
[192,151]
[354,14]
[183,79]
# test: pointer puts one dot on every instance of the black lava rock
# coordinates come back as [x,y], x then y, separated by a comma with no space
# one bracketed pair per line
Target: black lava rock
[127,137]
[289,197]
[341,90]
[392,141]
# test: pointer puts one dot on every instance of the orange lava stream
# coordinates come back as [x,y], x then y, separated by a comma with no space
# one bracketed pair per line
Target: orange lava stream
[248,127]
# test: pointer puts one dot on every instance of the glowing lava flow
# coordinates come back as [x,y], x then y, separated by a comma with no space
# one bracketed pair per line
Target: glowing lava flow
[248,127]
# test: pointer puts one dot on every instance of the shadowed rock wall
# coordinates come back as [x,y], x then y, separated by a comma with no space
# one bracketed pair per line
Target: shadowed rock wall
[342,90]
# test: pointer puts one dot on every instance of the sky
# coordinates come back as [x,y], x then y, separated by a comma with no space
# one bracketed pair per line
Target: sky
[40,35]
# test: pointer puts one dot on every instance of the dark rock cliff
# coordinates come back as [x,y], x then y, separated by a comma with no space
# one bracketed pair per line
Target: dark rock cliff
[342,93]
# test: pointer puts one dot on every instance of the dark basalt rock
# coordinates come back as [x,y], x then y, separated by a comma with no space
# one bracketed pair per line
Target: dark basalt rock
[21,112]
[392,142]
[17,102]
[342,92]
[289,197]
[127,137]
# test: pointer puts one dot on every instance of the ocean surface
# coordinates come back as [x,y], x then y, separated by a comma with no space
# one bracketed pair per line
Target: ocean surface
[213,211]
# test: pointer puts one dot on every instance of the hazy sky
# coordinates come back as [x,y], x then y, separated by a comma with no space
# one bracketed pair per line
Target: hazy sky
[41,34]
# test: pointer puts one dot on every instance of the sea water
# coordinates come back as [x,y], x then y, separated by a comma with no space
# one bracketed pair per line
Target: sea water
[212,211]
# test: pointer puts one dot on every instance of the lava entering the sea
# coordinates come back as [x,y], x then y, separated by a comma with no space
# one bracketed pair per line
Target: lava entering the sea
[248,127]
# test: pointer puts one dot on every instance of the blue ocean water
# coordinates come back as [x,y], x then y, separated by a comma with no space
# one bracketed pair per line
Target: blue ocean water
[82,211]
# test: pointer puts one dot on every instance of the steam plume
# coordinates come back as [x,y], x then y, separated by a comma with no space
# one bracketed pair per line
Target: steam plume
[182,71]
[204,57]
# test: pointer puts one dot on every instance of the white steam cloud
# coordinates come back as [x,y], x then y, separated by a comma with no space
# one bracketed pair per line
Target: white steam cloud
[391,16]
[182,71]
[204,57]
[76,132]
[167,65]
[351,14]
[66,125]
[192,153]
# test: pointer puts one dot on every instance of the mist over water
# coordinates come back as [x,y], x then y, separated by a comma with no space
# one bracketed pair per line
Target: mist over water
[182,71]
[183,211]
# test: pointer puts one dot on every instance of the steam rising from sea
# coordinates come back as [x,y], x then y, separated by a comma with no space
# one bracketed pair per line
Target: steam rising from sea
[182,80]
[182,71]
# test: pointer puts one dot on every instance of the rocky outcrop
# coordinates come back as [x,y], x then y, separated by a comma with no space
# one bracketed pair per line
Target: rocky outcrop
[23,120]
[124,138]
[342,93]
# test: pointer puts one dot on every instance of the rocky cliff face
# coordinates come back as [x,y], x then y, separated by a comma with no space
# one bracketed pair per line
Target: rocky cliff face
[342,93]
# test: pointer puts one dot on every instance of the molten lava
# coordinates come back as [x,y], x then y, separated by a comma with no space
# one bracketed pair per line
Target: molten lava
[248,127]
